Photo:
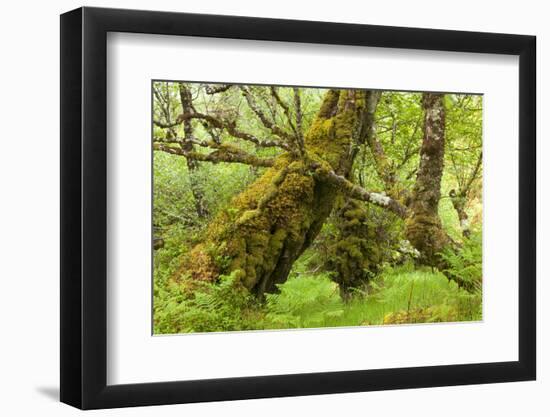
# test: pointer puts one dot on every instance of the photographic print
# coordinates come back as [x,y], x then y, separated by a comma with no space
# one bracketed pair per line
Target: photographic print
[283,207]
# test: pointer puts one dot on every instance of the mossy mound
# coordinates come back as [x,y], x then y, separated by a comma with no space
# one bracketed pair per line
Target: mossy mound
[366,238]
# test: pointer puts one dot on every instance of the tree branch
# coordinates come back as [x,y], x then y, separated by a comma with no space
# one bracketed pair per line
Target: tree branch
[359,193]
[381,162]
[298,110]
[276,130]
[284,106]
[473,176]
[164,125]
[232,130]
[164,106]
[225,154]
[209,89]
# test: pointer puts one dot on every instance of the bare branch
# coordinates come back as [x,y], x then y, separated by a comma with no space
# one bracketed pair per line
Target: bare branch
[164,125]
[412,173]
[464,191]
[169,141]
[409,153]
[232,130]
[163,101]
[215,89]
[382,164]
[276,130]
[284,106]
[220,155]
[459,178]
[186,100]
[298,110]
[469,148]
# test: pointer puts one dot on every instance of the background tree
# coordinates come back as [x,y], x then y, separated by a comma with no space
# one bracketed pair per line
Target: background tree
[465,156]
[423,226]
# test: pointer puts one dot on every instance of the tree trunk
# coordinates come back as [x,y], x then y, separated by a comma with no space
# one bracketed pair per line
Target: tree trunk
[354,256]
[459,201]
[351,257]
[423,226]
[269,225]
[187,107]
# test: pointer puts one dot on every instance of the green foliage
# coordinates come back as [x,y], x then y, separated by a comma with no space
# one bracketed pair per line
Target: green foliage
[447,213]
[174,202]
[403,292]
[399,295]
[305,301]
[384,287]
[463,135]
[172,192]
[406,289]
[400,120]
[359,240]
[213,307]
[465,265]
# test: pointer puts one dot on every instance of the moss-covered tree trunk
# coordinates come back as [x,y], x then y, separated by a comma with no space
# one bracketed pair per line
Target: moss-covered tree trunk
[423,226]
[186,100]
[269,225]
[352,257]
[459,201]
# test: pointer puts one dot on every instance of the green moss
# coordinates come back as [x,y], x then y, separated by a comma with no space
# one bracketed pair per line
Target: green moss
[266,227]
[328,106]
[328,137]
[254,240]
[350,257]
[248,215]
[426,234]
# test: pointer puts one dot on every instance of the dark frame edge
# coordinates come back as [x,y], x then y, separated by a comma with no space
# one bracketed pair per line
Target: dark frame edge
[70,204]
[528,206]
[83,212]
[278,386]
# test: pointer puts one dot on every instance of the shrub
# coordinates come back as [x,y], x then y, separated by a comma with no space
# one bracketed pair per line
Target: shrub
[465,265]
[213,307]
[304,301]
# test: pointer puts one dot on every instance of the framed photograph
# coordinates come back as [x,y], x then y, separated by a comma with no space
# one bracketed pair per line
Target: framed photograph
[257,208]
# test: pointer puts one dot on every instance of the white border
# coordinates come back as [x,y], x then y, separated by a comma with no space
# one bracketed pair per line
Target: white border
[134,356]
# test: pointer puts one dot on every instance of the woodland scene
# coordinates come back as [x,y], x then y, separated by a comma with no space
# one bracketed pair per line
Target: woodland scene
[279,207]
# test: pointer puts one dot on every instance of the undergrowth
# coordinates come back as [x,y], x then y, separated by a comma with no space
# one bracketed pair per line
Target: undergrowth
[403,294]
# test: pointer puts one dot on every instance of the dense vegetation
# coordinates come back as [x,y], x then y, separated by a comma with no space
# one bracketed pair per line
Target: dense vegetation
[280,207]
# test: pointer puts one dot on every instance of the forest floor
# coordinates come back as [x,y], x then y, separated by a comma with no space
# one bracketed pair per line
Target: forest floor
[308,299]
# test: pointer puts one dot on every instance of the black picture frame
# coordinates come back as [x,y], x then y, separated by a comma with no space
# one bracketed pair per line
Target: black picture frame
[84,207]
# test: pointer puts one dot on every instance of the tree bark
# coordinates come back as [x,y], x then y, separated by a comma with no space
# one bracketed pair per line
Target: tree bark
[387,174]
[460,198]
[269,225]
[354,256]
[192,164]
[423,226]
[459,201]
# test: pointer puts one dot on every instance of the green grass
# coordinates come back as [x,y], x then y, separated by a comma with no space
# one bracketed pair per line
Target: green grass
[398,295]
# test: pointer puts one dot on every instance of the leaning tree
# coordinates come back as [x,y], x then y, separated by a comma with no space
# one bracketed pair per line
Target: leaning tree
[265,228]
